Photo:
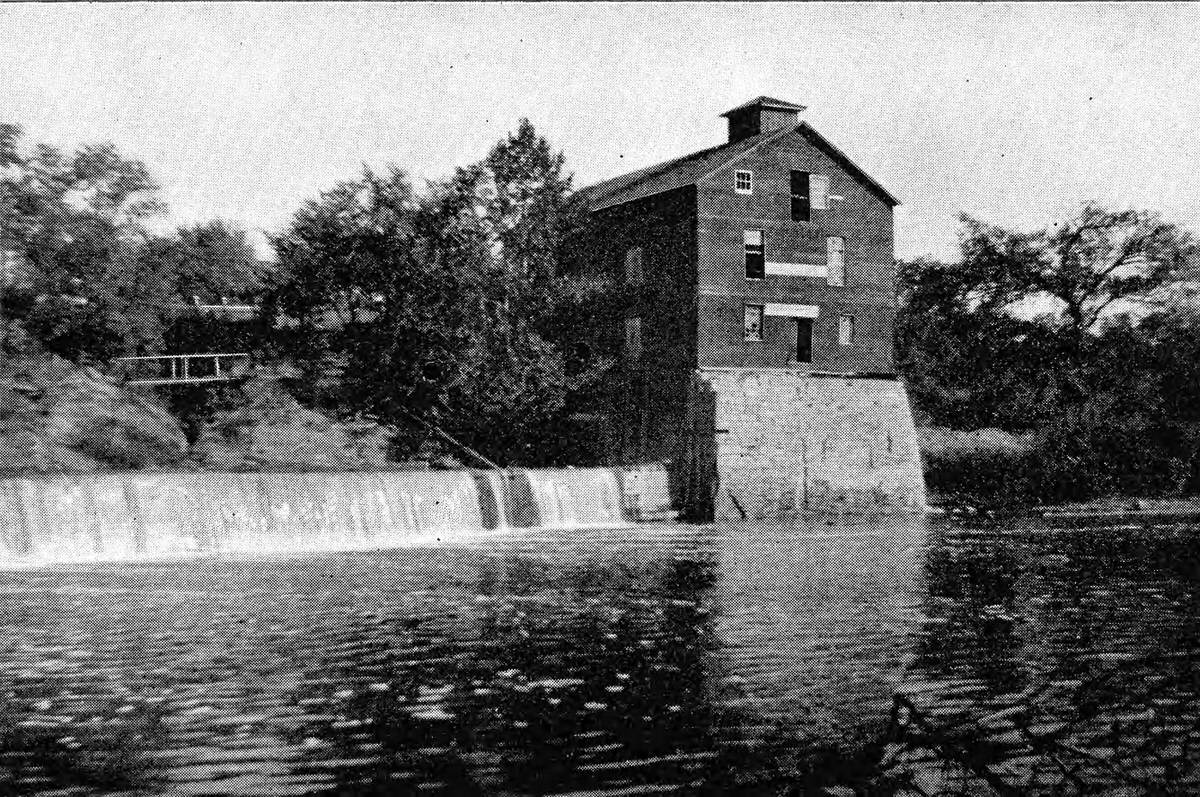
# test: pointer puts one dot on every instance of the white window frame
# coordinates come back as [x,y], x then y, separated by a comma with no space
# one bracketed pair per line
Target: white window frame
[737,187]
[818,192]
[846,330]
[762,314]
[835,260]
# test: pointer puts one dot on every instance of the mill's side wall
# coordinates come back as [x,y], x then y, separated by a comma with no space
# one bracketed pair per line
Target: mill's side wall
[648,392]
[787,441]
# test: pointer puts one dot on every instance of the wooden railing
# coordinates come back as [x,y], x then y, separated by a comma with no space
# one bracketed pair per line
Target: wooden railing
[172,369]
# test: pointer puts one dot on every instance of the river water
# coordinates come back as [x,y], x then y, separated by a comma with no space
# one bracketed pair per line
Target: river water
[899,657]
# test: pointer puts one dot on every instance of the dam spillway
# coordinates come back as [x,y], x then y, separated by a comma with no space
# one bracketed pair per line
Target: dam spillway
[95,517]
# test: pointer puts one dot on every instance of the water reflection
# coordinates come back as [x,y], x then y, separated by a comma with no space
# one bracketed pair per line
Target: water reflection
[752,659]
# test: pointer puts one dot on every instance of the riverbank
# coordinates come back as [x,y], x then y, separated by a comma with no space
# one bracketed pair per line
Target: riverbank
[1125,507]
[1107,507]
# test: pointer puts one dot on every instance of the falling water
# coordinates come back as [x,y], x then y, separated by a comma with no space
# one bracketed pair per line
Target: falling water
[126,516]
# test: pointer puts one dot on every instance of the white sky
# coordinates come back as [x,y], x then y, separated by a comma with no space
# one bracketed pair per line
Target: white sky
[1014,113]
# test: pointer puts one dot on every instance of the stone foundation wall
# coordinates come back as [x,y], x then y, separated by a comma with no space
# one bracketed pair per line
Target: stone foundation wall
[787,441]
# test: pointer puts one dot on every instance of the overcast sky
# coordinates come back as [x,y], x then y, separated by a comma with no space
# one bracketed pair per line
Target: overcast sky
[1014,113]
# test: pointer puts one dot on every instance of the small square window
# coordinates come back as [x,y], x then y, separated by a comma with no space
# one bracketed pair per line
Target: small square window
[754,322]
[846,330]
[743,182]
[755,261]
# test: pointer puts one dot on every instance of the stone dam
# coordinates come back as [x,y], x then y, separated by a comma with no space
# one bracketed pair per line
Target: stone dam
[96,517]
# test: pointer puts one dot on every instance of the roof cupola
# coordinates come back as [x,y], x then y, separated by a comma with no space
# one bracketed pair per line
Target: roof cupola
[761,115]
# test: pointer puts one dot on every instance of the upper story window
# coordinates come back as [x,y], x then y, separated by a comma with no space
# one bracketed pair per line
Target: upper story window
[835,260]
[800,203]
[755,261]
[754,322]
[743,182]
[634,271]
[846,330]
[809,192]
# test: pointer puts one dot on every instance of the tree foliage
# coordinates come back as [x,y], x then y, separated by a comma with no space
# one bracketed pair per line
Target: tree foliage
[1057,333]
[207,262]
[455,297]
[82,276]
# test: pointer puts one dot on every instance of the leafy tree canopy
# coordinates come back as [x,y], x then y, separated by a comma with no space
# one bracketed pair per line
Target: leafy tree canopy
[453,294]
[82,276]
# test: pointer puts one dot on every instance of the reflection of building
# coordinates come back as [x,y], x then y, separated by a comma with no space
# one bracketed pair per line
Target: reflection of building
[759,320]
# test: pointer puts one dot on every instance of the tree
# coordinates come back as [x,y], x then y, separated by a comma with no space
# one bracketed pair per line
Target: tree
[208,261]
[515,208]
[71,230]
[375,310]
[511,217]
[1083,265]
[455,295]
[1093,384]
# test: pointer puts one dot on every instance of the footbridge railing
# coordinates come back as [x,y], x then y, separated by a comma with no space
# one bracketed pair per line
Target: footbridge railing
[174,369]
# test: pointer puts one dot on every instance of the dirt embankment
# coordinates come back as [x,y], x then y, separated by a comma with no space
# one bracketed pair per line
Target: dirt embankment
[56,417]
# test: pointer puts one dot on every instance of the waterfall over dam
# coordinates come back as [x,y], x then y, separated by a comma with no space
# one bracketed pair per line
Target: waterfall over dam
[91,517]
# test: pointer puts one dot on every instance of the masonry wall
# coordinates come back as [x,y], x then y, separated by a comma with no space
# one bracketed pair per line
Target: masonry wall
[650,391]
[862,217]
[785,442]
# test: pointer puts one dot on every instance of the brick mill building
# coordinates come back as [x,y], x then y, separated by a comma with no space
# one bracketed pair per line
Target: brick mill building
[756,327]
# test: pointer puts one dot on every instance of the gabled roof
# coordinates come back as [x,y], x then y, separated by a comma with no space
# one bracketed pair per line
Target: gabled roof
[691,169]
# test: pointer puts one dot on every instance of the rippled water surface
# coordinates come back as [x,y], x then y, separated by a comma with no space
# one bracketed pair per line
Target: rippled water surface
[911,658]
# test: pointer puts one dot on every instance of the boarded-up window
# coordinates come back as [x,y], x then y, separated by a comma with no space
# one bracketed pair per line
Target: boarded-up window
[846,330]
[634,271]
[818,191]
[755,262]
[804,340]
[743,182]
[835,260]
[800,203]
[633,338]
[754,322]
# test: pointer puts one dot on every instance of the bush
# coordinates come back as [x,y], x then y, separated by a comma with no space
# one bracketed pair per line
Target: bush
[986,467]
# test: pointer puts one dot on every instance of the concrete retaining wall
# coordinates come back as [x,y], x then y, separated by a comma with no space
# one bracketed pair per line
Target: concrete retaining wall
[786,441]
